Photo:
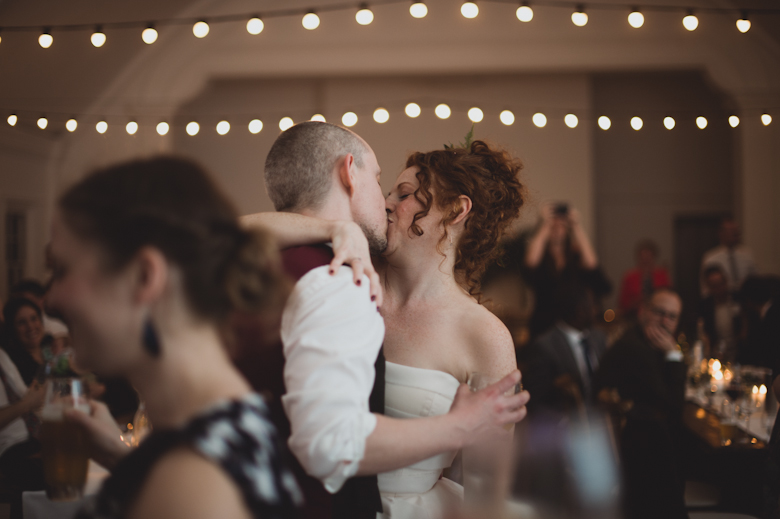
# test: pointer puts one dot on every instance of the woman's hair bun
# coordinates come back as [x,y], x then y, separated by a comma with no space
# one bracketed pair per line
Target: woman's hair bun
[253,277]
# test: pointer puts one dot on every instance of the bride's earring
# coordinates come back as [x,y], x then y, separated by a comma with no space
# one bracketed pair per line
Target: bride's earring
[150,340]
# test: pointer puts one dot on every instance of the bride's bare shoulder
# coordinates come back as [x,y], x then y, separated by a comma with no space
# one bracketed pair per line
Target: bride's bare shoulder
[490,342]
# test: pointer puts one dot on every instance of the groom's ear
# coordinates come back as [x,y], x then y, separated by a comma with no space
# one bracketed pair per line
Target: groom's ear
[347,174]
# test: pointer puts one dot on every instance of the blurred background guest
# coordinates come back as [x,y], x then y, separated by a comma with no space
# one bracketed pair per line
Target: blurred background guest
[24,337]
[734,259]
[560,254]
[759,340]
[640,282]
[719,312]
[34,291]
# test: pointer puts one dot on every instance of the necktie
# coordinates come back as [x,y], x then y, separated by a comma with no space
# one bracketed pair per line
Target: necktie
[586,352]
[734,273]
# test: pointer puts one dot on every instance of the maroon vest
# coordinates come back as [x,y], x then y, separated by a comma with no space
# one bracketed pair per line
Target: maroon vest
[259,356]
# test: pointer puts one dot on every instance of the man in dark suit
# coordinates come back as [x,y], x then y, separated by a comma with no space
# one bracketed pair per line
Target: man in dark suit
[559,364]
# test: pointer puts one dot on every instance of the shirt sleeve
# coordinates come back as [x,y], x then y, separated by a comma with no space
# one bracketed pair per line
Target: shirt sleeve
[332,333]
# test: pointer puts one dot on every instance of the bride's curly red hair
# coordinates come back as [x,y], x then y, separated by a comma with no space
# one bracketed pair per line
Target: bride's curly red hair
[489,177]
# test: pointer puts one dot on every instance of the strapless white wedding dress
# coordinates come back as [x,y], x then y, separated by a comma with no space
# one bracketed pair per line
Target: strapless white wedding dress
[418,491]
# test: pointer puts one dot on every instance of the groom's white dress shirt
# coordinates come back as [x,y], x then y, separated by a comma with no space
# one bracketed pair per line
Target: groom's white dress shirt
[332,333]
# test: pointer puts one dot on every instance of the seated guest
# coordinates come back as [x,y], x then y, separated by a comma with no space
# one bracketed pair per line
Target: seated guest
[148,261]
[35,292]
[645,366]
[640,282]
[25,337]
[760,321]
[720,313]
[559,364]
[734,259]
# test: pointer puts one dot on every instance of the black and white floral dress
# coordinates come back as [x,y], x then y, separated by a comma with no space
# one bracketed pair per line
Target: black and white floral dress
[237,436]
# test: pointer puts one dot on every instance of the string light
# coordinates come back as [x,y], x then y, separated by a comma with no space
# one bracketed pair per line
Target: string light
[637,123]
[733,121]
[636,19]
[579,17]
[381,115]
[469,10]
[766,119]
[690,21]
[743,24]
[255,126]
[255,26]
[149,35]
[701,122]
[475,115]
[669,123]
[540,120]
[192,128]
[200,29]
[318,117]
[418,10]
[310,21]
[571,120]
[45,39]
[101,127]
[285,123]
[364,16]
[98,37]
[71,125]
[413,110]
[604,122]
[507,117]
[12,119]
[349,119]
[524,13]
[42,123]
[442,111]
[223,127]
[163,128]
[131,127]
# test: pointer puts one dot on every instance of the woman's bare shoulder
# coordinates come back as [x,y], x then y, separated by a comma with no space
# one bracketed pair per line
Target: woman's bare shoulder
[491,344]
[183,484]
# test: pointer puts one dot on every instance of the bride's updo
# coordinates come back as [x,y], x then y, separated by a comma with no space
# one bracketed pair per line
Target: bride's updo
[488,176]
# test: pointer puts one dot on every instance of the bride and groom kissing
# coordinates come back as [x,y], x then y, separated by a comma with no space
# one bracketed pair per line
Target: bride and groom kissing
[376,357]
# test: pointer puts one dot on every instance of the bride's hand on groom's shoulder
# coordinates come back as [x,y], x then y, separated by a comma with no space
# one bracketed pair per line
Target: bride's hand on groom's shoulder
[350,247]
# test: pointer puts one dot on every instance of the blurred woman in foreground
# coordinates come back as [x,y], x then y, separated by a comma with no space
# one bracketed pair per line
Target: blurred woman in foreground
[148,260]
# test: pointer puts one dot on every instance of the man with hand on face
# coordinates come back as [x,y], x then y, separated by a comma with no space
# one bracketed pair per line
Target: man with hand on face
[646,367]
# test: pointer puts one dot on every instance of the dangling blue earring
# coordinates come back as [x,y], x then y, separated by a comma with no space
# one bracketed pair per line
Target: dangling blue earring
[150,340]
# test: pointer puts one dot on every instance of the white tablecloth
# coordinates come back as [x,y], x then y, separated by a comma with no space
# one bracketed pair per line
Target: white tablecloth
[35,505]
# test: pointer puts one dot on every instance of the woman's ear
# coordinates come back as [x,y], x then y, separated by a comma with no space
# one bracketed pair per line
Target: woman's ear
[151,274]
[463,209]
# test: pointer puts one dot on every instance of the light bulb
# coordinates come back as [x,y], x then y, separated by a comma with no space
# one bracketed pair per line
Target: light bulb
[98,37]
[413,110]
[636,19]
[381,115]
[475,115]
[285,123]
[604,122]
[349,119]
[540,120]
[469,10]
[690,22]
[364,16]
[579,17]
[43,123]
[255,26]
[12,119]
[45,40]
[743,24]
[318,117]
[310,21]
[571,120]
[507,117]
[101,127]
[669,123]
[442,111]
[131,127]
[733,121]
[255,126]
[192,128]
[163,128]
[1,38]
[524,13]
[71,125]
[766,119]
[149,35]
[637,123]
[223,127]
[200,29]
[418,10]
[701,122]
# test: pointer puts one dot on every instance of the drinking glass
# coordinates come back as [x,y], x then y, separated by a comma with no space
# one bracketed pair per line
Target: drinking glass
[728,422]
[64,447]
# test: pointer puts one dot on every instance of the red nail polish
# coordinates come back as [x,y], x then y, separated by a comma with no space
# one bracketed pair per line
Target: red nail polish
[357,282]
[331,272]
[373,298]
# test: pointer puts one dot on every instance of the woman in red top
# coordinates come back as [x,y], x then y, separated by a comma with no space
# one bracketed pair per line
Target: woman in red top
[640,282]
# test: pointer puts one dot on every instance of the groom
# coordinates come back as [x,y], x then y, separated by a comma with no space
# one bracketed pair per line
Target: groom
[332,335]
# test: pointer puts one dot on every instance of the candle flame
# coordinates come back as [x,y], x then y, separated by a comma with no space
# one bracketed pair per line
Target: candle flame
[762,389]
[755,390]
[717,375]
[716,365]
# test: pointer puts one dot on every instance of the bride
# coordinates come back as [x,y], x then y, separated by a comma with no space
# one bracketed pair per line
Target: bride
[446,214]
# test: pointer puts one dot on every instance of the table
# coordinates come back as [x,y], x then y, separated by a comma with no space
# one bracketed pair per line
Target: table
[35,505]
[700,416]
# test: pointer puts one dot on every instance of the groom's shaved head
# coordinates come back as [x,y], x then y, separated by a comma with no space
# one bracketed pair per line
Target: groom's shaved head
[299,166]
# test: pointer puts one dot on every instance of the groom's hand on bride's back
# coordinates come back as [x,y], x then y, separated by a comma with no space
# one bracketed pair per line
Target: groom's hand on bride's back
[491,410]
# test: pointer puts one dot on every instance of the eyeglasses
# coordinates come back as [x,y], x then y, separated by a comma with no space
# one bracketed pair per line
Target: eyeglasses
[663,314]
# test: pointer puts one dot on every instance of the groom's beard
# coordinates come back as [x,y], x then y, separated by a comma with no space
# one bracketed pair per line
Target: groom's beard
[377,241]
